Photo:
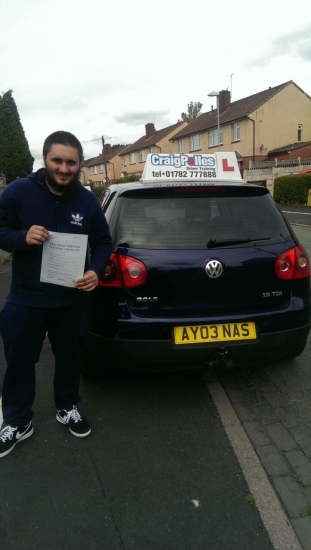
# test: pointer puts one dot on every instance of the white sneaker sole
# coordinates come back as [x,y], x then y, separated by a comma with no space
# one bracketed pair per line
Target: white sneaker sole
[22,438]
[72,432]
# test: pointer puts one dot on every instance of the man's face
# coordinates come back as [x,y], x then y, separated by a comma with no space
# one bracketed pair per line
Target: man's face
[62,168]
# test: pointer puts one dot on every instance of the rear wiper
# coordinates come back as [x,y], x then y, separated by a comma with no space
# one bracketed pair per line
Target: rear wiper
[212,243]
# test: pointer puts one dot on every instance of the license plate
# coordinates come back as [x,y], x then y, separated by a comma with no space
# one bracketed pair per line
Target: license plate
[224,332]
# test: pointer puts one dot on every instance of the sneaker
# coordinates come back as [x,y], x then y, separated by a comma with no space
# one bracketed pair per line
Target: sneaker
[77,425]
[11,435]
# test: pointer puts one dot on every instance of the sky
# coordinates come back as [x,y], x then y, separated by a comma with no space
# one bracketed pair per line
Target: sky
[97,68]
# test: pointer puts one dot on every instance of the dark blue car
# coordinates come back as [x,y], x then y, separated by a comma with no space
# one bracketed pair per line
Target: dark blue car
[204,270]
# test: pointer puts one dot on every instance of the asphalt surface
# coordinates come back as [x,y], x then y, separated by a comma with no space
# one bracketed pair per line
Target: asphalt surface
[158,471]
[298,215]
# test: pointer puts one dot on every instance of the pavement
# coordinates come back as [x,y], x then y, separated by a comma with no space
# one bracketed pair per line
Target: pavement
[273,407]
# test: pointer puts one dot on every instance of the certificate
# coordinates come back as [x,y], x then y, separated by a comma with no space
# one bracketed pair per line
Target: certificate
[63,258]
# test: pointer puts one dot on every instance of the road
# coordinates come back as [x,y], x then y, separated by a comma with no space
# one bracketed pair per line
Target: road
[161,471]
[158,472]
[298,215]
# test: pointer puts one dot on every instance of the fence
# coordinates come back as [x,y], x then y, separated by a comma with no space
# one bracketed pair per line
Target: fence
[269,164]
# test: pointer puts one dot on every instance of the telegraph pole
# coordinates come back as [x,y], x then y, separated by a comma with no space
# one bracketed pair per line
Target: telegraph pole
[105,162]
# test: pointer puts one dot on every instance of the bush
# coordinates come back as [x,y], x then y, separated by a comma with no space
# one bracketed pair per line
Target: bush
[292,189]
[98,190]
[127,179]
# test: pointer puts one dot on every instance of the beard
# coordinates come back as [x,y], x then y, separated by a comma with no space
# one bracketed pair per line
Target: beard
[60,187]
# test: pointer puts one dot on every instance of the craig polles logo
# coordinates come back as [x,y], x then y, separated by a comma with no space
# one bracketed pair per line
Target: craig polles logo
[179,161]
[76,218]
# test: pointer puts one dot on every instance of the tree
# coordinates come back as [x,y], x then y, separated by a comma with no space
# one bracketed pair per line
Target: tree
[15,157]
[117,145]
[193,111]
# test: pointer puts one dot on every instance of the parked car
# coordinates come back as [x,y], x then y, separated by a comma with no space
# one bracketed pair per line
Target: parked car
[204,269]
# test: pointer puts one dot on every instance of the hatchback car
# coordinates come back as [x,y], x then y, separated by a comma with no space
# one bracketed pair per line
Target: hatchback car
[204,269]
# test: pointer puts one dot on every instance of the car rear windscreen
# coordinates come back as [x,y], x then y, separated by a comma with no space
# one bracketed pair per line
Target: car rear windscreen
[177,219]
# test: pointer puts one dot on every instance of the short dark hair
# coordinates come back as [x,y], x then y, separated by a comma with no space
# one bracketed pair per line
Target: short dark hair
[62,138]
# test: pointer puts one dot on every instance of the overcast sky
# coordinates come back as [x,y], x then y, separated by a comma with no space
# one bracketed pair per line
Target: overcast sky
[108,68]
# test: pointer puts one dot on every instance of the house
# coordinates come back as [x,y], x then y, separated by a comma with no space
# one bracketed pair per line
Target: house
[254,127]
[83,174]
[134,156]
[106,166]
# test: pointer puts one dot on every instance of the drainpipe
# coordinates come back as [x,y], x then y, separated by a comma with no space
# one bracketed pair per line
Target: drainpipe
[253,121]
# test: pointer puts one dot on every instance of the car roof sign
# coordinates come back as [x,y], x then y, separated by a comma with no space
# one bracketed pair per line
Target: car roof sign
[191,168]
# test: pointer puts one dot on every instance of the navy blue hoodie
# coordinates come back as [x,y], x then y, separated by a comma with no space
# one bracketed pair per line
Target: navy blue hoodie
[28,201]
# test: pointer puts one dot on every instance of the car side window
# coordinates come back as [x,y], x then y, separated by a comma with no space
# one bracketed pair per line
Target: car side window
[106,199]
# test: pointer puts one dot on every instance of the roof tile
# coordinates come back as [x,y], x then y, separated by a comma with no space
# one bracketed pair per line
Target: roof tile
[145,141]
[290,147]
[100,158]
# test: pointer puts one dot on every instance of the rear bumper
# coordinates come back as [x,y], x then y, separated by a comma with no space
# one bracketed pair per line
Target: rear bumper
[150,355]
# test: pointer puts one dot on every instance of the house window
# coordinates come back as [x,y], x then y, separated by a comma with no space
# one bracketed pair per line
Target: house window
[235,131]
[213,137]
[124,160]
[101,169]
[181,145]
[195,142]
[132,158]
[95,170]
[299,136]
[142,155]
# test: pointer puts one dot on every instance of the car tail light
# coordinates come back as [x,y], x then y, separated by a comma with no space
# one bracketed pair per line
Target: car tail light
[293,264]
[123,272]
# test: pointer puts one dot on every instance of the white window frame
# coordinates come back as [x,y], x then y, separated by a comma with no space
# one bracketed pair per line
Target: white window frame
[124,160]
[94,170]
[213,137]
[235,131]
[180,145]
[142,155]
[133,158]
[195,142]
[101,169]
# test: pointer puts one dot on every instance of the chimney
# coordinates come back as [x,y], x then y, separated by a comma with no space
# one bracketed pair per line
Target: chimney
[107,149]
[224,100]
[150,130]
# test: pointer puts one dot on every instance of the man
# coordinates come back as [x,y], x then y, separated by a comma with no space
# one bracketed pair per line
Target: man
[49,200]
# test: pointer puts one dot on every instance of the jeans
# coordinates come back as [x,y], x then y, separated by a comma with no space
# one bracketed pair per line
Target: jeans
[23,330]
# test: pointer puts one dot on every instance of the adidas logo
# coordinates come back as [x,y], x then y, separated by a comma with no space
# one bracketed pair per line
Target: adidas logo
[77,219]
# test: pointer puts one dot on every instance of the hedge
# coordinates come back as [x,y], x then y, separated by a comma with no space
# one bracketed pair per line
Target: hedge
[127,179]
[292,189]
[98,190]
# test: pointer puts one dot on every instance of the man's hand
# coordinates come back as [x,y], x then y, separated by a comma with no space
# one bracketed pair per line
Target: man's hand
[88,282]
[37,235]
